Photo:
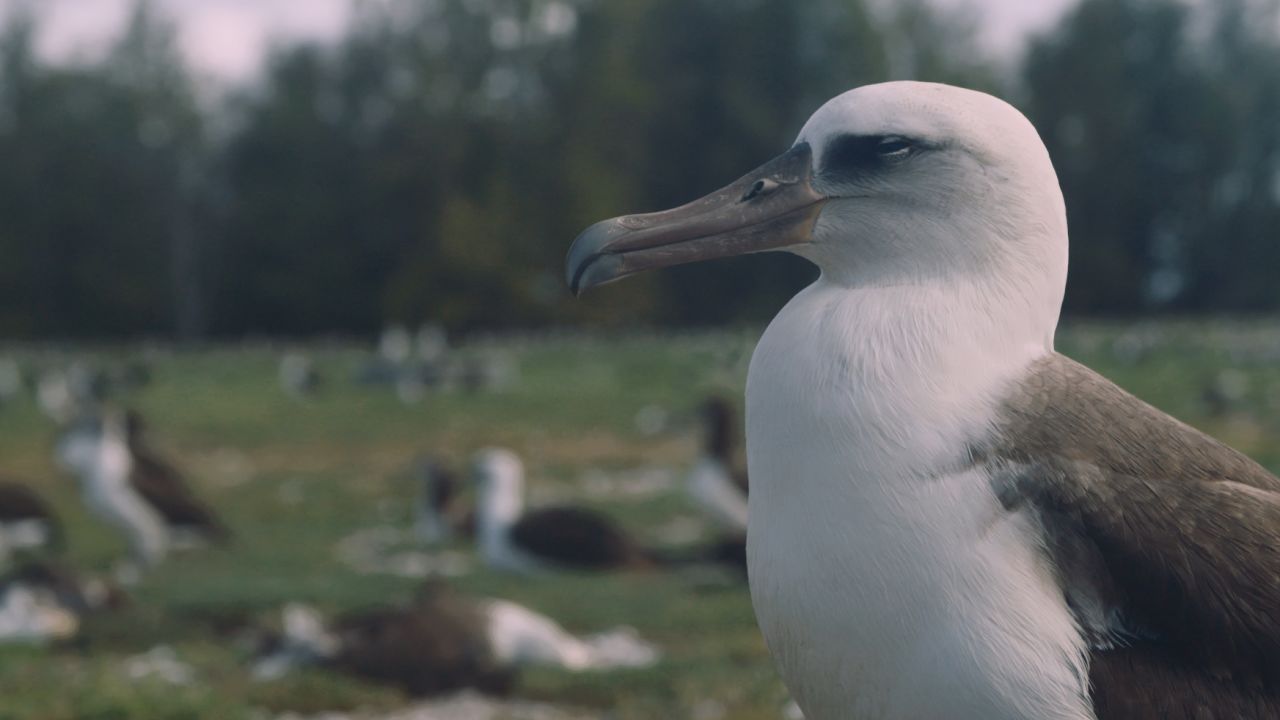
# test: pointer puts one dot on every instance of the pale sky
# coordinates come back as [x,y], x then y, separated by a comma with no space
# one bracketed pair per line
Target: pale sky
[227,39]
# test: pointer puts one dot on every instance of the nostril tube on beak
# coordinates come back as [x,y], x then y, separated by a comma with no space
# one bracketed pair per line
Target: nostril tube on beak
[774,207]
[758,188]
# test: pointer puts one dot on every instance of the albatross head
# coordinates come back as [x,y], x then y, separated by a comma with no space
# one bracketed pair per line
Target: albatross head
[897,184]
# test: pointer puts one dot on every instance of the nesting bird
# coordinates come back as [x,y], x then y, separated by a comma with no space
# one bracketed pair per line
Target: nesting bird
[43,603]
[442,642]
[35,613]
[562,537]
[948,518]
[27,522]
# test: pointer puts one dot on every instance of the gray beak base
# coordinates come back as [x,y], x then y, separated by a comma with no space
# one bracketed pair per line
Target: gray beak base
[772,207]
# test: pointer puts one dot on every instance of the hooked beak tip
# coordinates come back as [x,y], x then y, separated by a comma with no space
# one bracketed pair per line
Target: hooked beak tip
[587,264]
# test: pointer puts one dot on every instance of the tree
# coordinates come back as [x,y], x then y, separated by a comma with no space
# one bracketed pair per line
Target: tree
[1166,147]
[433,164]
[89,191]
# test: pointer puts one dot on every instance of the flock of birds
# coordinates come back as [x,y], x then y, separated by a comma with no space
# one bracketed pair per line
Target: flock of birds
[442,640]
[411,363]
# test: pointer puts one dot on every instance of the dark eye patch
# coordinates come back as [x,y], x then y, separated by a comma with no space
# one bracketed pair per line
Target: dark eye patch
[849,157]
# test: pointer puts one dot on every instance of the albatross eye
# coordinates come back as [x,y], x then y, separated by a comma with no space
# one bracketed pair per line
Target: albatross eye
[892,147]
[853,158]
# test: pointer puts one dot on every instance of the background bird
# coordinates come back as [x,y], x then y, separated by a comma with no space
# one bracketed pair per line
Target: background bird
[27,522]
[443,641]
[548,538]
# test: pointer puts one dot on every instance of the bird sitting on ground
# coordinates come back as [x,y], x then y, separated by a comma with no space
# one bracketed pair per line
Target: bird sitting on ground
[562,537]
[27,523]
[442,642]
[43,602]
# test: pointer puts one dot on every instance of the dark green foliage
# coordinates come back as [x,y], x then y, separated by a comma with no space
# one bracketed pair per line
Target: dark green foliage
[436,161]
[1164,125]
[94,201]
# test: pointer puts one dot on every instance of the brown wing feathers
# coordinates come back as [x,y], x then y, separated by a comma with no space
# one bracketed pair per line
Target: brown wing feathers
[576,538]
[1176,532]
[1067,411]
[164,488]
[436,645]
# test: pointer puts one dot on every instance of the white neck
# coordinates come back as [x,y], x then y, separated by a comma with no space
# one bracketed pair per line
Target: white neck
[501,505]
[869,524]
[111,494]
[894,369]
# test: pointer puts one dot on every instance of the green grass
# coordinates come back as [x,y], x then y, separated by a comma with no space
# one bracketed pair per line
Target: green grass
[294,477]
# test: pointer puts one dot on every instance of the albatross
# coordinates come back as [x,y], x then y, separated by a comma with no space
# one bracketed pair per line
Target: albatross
[948,519]
[124,482]
[444,641]
[561,537]
[26,520]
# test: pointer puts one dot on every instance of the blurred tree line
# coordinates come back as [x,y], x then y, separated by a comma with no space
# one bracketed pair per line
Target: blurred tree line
[435,163]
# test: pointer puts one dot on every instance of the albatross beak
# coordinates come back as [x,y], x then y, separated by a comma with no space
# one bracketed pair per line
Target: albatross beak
[772,207]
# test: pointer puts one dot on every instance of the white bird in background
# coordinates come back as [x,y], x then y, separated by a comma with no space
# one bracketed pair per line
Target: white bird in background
[443,641]
[298,376]
[431,343]
[55,396]
[96,450]
[396,365]
[948,519]
[126,484]
[27,522]
[34,615]
[395,345]
[550,538]
[42,602]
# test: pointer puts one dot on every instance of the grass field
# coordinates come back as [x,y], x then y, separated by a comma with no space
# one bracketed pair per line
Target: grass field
[293,478]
